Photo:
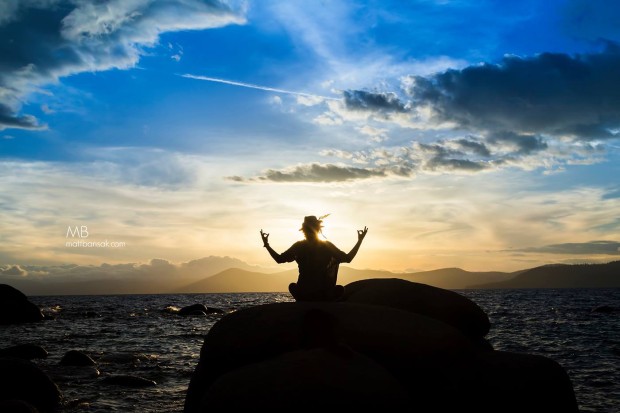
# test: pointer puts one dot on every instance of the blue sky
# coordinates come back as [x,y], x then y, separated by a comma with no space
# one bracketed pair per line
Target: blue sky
[463,133]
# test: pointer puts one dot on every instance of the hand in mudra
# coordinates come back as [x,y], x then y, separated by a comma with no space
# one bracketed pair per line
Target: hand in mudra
[265,237]
[361,233]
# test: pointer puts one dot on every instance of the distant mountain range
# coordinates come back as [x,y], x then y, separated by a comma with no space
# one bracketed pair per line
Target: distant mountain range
[548,276]
[563,276]
[235,279]
[247,280]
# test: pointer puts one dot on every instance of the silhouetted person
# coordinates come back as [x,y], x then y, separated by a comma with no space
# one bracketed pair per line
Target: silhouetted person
[317,261]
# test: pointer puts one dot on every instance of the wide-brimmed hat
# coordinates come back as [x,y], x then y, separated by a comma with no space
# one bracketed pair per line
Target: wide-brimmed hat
[313,222]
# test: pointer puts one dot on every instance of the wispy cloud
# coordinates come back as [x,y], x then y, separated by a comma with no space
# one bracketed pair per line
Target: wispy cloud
[67,37]
[572,248]
[316,172]
[259,87]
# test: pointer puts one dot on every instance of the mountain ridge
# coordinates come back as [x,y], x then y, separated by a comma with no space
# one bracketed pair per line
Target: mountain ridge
[244,280]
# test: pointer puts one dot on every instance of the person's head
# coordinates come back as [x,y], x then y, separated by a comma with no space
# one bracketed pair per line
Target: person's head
[311,227]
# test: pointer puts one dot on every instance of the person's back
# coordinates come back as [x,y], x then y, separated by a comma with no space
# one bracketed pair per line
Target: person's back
[318,266]
[317,261]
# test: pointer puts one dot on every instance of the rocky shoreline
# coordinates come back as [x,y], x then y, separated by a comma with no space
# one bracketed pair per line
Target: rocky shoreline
[389,344]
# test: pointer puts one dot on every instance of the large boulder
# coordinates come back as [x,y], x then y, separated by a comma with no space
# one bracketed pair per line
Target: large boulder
[311,356]
[22,380]
[445,305]
[199,309]
[499,381]
[76,358]
[317,379]
[15,307]
[400,341]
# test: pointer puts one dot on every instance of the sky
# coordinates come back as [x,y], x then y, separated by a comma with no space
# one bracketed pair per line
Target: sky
[474,134]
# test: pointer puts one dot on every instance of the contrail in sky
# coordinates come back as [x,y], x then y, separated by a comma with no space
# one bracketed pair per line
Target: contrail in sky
[251,86]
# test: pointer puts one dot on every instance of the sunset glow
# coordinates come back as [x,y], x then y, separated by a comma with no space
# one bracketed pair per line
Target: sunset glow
[459,134]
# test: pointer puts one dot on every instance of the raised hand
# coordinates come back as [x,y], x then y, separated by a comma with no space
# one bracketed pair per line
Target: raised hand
[361,233]
[265,237]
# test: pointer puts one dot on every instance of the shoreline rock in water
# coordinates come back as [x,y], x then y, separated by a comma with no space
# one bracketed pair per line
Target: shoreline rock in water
[15,307]
[22,383]
[420,343]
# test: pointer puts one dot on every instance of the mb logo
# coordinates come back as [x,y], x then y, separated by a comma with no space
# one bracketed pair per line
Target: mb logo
[80,232]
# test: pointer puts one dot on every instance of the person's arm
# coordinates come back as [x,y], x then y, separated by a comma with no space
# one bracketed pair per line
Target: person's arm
[361,233]
[286,256]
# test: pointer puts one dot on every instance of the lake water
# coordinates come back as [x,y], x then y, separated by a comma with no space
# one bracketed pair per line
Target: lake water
[132,335]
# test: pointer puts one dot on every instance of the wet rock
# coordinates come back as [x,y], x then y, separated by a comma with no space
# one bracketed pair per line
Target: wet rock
[171,309]
[22,380]
[76,358]
[199,309]
[317,379]
[606,309]
[444,305]
[498,381]
[24,351]
[15,307]
[128,381]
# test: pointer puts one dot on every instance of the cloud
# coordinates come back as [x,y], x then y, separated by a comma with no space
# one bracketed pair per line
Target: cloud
[612,194]
[445,156]
[316,172]
[376,134]
[13,270]
[592,247]
[8,119]
[47,40]
[475,147]
[520,144]
[439,157]
[156,268]
[373,101]
[551,93]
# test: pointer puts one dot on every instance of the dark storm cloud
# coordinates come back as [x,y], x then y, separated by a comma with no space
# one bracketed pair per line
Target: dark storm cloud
[316,172]
[437,157]
[524,144]
[451,164]
[42,41]
[371,101]
[475,147]
[592,247]
[550,93]
[9,119]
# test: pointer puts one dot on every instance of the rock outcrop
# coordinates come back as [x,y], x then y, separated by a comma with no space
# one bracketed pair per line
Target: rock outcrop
[391,345]
[445,305]
[199,309]
[23,381]
[76,358]
[15,307]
